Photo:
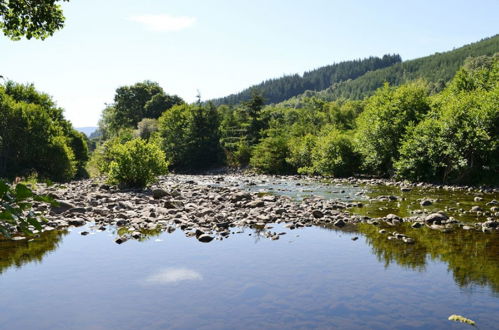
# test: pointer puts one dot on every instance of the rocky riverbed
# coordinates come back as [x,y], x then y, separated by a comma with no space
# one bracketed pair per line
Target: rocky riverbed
[208,207]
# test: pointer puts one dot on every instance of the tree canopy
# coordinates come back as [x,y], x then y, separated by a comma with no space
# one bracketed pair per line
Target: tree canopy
[37,19]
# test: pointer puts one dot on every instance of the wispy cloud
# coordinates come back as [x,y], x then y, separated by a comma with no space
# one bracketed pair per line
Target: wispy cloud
[173,275]
[164,22]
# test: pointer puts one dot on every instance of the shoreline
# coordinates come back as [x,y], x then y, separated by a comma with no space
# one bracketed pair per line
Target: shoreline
[212,209]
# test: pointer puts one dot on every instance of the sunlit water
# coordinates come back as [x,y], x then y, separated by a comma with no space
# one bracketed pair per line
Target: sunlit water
[309,278]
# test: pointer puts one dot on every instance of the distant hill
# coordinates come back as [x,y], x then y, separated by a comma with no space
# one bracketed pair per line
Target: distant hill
[87,130]
[360,78]
[438,69]
[280,89]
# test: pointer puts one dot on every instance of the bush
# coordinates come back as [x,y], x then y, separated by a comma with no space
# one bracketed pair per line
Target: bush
[269,156]
[334,155]
[146,128]
[458,143]
[383,123]
[300,149]
[136,163]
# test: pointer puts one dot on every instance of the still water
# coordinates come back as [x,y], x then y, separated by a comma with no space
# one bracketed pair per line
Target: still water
[310,278]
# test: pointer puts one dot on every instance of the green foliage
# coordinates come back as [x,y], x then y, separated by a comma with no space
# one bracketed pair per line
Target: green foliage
[134,103]
[32,19]
[16,209]
[190,136]
[459,140]
[334,154]
[300,153]
[384,121]
[147,127]
[270,155]
[29,118]
[280,89]
[437,69]
[136,163]
[104,154]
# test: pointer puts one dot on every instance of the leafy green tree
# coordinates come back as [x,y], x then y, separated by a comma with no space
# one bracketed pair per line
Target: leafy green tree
[136,163]
[133,103]
[300,153]
[29,118]
[383,123]
[37,19]
[190,136]
[269,156]
[458,142]
[334,154]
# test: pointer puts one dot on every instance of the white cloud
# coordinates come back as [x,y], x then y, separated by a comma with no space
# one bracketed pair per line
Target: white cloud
[173,275]
[164,22]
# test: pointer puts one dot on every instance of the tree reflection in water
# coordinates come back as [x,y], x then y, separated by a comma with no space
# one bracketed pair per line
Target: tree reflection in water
[19,253]
[471,256]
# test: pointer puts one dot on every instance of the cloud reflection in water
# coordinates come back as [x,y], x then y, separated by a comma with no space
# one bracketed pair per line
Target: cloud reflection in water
[173,275]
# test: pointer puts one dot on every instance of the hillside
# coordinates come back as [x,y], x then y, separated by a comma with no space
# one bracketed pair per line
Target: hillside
[280,89]
[438,69]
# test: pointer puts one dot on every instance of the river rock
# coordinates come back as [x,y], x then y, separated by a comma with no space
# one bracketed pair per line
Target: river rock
[159,193]
[435,218]
[205,238]
[317,214]
[62,206]
[476,209]
[425,202]
[76,222]
[339,223]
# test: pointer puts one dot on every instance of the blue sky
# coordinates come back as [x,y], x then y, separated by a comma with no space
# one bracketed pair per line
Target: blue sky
[220,47]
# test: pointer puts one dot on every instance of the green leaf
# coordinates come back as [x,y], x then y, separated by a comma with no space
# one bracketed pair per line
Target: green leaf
[34,222]
[22,192]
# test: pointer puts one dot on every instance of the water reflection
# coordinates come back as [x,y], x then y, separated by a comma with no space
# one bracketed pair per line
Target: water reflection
[173,275]
[19,253]
[472,257]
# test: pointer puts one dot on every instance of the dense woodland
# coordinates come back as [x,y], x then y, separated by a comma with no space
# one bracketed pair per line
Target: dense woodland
[433,119]
[436,69]
[281,89]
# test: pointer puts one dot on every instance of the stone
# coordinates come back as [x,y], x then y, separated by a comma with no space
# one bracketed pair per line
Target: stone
[77,210]
[76,222]
[205,238]
[159,193]
[317,214]
[62,206]
[476,209]
[121,240]
[339,223]
[84,233]
[256,203]
[436,218]
[425,202]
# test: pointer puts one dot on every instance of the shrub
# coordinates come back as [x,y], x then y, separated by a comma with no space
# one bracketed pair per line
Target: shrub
[300,149]
[334,155]
[269,156]
[458,143]
[136,163]
[383,123]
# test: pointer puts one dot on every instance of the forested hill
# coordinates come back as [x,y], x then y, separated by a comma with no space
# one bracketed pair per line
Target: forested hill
[437,69]
[280,89]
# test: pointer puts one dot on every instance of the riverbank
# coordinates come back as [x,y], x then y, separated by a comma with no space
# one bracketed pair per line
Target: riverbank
[208,207]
